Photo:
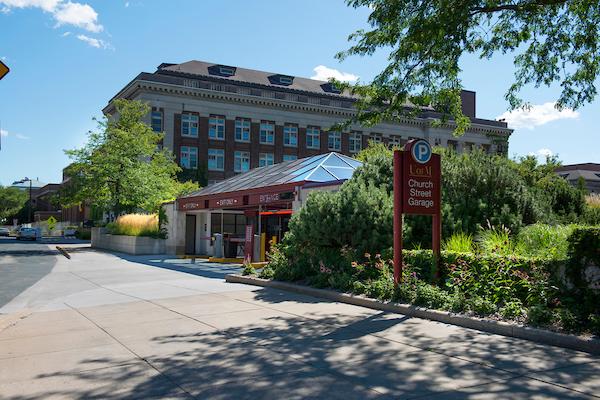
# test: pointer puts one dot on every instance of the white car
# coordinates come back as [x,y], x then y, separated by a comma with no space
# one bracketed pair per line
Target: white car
[27,233]
[4,231]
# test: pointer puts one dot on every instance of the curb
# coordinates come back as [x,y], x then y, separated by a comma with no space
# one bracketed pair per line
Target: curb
[573,342]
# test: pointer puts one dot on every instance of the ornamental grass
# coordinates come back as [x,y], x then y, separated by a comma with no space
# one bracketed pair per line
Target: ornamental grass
[136,225]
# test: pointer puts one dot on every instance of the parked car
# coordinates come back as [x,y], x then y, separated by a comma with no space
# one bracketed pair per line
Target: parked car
[4,231]
[26,233]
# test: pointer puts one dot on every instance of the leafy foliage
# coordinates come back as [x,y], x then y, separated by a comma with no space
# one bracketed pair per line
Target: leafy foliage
[11,201]
[136,225]
[459,242]
[553,42]
[121,167]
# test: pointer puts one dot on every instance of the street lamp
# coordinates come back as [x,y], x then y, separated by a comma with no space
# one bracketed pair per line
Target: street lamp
[26,179]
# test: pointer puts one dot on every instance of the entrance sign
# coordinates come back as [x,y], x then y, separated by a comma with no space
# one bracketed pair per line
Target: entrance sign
[417,190]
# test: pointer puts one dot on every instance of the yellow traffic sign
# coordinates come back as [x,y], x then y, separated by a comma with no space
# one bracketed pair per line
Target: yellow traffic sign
[3,69]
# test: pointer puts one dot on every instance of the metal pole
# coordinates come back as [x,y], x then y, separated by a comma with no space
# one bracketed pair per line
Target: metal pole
[30,219]
[397,217]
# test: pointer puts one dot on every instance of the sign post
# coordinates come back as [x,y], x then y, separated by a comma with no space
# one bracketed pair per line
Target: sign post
[417,190]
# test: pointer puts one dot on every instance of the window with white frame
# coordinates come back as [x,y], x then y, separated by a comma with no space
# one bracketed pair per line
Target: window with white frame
[216,127]
[156,121]
[189,125]
[216,159]
[290,157]
[313,138]
[241,161]
[395,140]
[334,141]
[267,132]
[242,130]
[265,159]
[290,135]
[355,142]
[375,138]
[188,157]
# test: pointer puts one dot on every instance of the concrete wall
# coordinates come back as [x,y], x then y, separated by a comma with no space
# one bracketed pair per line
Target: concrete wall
[175,242]
[135,245]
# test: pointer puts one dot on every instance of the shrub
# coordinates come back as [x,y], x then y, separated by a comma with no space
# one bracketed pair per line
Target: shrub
[83,234]
[583,245]
[481,306]
[568,320]
[458,301]
[431,296]
[135,225]
[459,242]
[512,309]
[594,323]
[539,315]
[267,272]
[248,270]
[548,241]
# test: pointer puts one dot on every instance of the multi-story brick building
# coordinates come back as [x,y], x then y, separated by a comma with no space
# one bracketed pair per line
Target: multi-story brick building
[227,119]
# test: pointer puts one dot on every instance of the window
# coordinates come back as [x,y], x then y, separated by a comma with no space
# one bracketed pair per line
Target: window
[229,71]
[313,138]
[265,159]
[355,142]
[396,140]
[188,157]
[334,141]
[216,127]
[189,125]
[286,80]
[216,159]
[156,121]
[290,135]
[375,138]
[267,132]
[241,161]
[289,157]
[242,130]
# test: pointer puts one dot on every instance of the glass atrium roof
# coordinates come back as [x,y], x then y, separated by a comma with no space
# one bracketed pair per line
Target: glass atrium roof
[320,168]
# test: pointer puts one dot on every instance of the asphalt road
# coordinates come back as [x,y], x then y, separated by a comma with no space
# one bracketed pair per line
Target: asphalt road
[22,264]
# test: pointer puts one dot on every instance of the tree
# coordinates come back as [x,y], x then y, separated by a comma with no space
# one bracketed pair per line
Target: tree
[11,201]
[552,41]
[122,168]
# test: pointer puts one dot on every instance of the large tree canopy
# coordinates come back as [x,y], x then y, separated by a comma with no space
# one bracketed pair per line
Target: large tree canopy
[11,201]
[122,167]
[552,42]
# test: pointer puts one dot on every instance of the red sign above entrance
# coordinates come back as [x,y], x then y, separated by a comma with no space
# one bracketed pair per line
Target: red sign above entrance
[420,179]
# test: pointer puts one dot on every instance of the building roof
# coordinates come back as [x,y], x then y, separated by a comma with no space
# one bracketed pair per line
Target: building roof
[328,167]
[579,167]
[35,184]
[244,75]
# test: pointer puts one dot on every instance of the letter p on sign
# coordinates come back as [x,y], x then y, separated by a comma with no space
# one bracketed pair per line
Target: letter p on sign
[421,151]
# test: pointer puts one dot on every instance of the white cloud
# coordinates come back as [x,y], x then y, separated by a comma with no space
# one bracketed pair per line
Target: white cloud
[536,115]
[542,154]
[126,4]
[4,133]
[64,12]
[323,73]
[65,34]
[97,43]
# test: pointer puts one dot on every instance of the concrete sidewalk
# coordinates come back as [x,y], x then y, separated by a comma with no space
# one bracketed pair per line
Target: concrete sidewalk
[101,326]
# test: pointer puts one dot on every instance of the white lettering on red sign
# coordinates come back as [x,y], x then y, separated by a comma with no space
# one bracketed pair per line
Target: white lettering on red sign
[268,198]
[188,206]
[226,202]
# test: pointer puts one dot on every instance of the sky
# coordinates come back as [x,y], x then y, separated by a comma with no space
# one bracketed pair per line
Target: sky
[68,58]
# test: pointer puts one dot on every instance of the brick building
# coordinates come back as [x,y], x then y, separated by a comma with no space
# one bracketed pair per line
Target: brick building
[227,120]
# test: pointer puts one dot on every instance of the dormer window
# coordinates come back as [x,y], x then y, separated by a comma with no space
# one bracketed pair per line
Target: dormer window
[229,71]
[284,80]
[221,70]
[330,88]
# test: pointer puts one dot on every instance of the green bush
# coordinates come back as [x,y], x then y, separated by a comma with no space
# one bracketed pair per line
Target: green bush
[481,306]
[512,309]
[539,315]
[83,234]
[496,240]
[248,270]
[547,241]
[267,272]
[431,296]
[583,250]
